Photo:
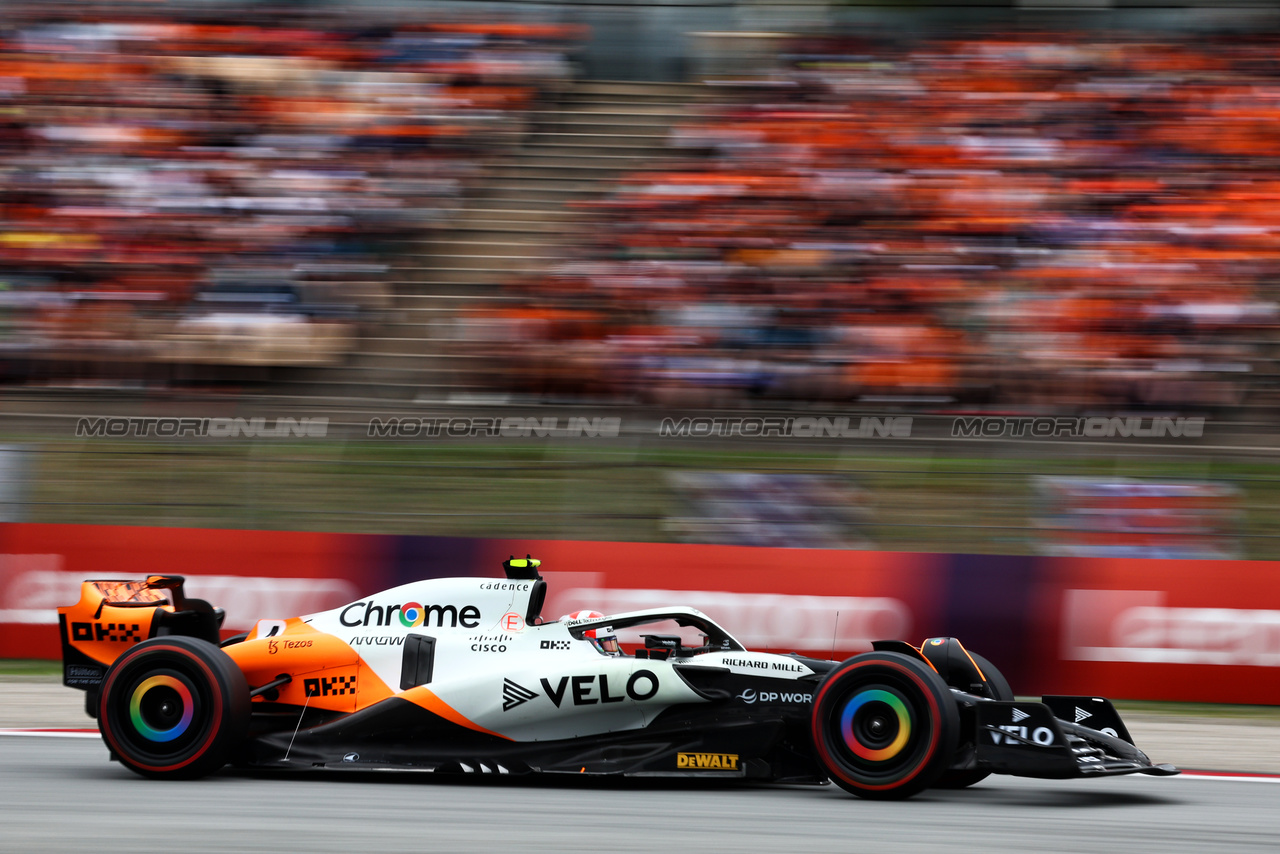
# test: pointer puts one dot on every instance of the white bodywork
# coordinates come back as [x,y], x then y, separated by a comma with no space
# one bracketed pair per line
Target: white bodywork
[525,682]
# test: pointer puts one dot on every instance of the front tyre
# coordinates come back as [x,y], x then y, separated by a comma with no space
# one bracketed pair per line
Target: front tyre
[884,725]
[173,707]
[997,689]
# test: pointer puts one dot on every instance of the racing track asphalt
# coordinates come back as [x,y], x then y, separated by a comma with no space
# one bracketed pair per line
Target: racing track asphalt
[61,794]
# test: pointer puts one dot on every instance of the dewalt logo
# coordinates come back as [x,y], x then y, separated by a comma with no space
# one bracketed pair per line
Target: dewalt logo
[707,761]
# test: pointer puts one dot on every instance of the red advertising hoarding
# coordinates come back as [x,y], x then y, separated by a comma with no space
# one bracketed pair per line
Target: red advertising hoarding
[1190,630]
[251,574]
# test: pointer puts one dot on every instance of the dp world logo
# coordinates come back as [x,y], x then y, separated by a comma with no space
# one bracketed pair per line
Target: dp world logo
[748,696]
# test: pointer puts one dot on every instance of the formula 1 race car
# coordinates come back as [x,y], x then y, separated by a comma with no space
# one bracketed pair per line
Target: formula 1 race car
[463,676]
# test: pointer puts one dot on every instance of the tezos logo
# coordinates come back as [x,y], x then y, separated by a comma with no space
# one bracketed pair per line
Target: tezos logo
[410,615]
[274,646]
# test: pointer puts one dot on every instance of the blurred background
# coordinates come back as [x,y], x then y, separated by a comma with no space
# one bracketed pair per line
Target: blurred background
[646,211]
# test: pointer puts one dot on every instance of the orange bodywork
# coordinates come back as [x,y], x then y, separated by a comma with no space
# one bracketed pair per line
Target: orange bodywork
[110,617]
[326,672]
[427,699]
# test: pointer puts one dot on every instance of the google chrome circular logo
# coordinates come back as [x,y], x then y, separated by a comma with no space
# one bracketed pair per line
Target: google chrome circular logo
[411,614]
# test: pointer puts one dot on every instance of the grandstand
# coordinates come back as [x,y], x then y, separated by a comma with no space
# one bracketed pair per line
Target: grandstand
[359,212]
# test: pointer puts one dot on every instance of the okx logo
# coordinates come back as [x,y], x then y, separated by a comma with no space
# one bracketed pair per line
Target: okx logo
[330,686]
[118,632]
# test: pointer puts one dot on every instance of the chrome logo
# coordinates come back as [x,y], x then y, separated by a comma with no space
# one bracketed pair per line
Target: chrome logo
[411,614]
[139,722]
[872,695]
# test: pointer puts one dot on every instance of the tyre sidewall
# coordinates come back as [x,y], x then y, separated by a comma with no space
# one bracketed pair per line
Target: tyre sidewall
[218,706]
[932,714]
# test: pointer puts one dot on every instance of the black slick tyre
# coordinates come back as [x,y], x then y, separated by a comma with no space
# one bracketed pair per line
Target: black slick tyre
[884,725]
[999,690]
[173,707]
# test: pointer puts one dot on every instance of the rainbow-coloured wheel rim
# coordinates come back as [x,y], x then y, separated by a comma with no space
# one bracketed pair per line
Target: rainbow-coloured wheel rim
[851,739]
[139,719]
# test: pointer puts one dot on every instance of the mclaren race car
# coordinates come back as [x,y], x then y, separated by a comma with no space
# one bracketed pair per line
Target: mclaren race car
[464,676]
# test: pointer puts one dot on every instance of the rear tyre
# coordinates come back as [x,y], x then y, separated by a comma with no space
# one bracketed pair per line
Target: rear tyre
[173,707]
[884,725]
[998,690]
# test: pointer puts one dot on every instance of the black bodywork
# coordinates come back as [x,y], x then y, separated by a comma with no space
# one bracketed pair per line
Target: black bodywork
[766,740]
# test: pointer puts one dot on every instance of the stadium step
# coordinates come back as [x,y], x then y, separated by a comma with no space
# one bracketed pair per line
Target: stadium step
[517,218]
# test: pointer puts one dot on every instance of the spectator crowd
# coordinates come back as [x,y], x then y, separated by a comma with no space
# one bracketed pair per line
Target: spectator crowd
[216,185]
[1129,518]
[788,510]
[1036,219]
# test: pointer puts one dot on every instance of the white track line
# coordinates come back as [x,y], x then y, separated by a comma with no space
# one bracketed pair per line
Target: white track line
[1230,777]
[52,733]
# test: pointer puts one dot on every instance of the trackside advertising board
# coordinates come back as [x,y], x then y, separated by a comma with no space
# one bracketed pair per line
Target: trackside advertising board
[252,575]
[1191,630]
[1197,630]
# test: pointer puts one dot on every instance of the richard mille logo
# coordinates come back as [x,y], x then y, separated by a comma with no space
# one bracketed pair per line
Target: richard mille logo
[514,695]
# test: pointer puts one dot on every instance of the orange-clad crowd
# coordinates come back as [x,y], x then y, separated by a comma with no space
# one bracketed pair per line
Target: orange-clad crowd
[1031,219]
[206,184]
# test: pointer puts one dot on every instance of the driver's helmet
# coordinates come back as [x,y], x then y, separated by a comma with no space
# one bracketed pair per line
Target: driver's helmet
[603,638]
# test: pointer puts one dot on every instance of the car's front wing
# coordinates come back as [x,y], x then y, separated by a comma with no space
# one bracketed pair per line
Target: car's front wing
[1049,740]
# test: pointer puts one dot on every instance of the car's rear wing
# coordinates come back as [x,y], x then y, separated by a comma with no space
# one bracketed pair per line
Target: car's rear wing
[114,614]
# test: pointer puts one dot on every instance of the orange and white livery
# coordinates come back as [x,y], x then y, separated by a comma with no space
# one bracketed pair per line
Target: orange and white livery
[464,675]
